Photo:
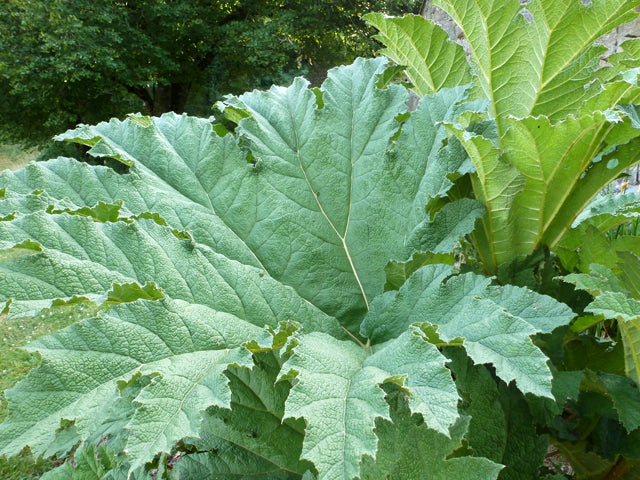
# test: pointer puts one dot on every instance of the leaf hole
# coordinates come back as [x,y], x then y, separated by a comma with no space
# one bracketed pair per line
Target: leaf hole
[527,15]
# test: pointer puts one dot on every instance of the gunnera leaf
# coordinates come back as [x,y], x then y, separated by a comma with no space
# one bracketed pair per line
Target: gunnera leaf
[405,434]
[495,322]
[210,253]
[501,426]
[338,392]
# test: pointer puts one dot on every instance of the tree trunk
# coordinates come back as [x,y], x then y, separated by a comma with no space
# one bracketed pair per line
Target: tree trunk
[169,98]
[439,16]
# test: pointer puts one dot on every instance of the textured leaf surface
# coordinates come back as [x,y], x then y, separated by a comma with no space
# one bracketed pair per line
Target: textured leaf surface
[83,363]
[405,435]
[453,222]
[432,60]
[84,257]
[314,174]
[501,427]
[536,59]
[494,321]
[338,393]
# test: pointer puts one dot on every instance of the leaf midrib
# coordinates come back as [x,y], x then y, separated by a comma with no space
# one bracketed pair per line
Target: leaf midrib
[324,214]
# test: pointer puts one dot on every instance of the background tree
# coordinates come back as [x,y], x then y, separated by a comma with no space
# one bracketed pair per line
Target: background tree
[64,62]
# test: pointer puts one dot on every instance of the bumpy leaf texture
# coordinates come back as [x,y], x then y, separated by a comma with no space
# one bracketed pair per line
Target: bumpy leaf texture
[558,137]
[214,252]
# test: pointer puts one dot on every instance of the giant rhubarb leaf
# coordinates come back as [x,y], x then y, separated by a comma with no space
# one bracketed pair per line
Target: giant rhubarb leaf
[214,255]
[83,363]
[537,58]
[492,323]
[339,396]
[431,60]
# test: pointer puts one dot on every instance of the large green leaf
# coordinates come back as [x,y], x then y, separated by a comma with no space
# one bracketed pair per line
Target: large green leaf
[538,58]
[314,168]
[432,61]
[212,251]
[83,363]
[494,322]
[338,393]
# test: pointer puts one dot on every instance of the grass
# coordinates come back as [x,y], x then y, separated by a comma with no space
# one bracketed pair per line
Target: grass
[14,156]
[14,366]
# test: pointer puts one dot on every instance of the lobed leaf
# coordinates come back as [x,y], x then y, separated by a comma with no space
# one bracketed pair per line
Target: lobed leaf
[310,198]
[400,439]
[338,393]
[83,364]
[431,60]
[495,322]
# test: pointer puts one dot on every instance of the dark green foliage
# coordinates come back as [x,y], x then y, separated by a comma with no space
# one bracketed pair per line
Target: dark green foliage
[79,61]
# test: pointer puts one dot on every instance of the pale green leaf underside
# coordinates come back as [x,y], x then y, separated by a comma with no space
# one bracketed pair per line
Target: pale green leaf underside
[338,393]
[536,59]
[495,322]
[83,363]
[432,60]
[544,178]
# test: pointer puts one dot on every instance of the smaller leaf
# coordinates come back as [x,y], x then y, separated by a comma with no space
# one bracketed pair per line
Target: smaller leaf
[600,279]
[495,322]
[609,211]
[433,61]
[271,339]
[452,222]
[130,292]
[390,75]
[89,463]
[400,439]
